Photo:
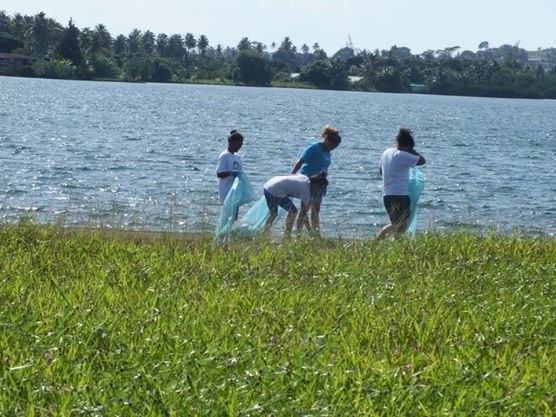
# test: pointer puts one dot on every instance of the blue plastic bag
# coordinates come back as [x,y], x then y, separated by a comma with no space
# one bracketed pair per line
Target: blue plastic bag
[416,187]
[254,220]
[241,193]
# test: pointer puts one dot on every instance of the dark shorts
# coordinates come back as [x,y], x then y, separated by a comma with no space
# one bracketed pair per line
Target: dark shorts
[273,202]
[397,207]
[317,198]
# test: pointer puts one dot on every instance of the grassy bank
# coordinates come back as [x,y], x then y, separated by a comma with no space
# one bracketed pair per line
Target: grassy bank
[141,325]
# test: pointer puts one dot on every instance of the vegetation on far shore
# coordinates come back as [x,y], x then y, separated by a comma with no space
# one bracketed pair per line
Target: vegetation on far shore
[48,49]
[127,325]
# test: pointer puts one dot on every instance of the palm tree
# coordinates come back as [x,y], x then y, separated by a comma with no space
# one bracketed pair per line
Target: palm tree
[149,43]
[161,44]
[202,45]
[244,44]
[104,38]
[190,42]
[134,41]
[175,49]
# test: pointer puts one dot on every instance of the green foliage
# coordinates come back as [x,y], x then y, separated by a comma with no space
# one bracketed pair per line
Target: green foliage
[285,57]
[41,34]
[175,49]
[103,66]
[134,325]
[8,42]
[391,80]
[251,68]
[504,71]
[162,71]
[55,68]
[137,68]
[69,47]
[316,73]
[325,73]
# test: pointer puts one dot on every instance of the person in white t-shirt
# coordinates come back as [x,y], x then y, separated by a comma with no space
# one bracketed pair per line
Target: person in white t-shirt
[278,190]
[229,164]
[394,167]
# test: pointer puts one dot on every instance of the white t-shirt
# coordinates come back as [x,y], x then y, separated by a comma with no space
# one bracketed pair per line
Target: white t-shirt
[297,185]
[227,162]
[395,166]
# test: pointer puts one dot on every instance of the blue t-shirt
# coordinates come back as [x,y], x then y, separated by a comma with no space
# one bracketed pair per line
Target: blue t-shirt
[315,159]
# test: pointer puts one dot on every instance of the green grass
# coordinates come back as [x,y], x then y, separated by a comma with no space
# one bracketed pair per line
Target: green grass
[292,84]
[138,325]
[218,81]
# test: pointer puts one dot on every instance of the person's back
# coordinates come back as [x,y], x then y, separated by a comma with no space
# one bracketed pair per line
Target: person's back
[394,165]
[278,190]
[297,186]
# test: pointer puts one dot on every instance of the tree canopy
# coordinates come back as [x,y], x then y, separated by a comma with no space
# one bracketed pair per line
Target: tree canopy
[142,55]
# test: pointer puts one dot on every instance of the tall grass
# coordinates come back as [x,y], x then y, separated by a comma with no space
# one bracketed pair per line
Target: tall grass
[135,325]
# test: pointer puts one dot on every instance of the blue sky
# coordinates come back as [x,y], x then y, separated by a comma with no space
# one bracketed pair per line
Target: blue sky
[371,24]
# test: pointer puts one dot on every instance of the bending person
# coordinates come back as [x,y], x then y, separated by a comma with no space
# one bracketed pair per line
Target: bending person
[279,190]
[314,159]
[394,167]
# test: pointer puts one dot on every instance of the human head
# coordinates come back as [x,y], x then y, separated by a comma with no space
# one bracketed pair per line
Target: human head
[404,139]
[235,141]
[330,137]
[318,182]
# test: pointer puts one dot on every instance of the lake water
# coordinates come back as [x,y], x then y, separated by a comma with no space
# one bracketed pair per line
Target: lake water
[142,156]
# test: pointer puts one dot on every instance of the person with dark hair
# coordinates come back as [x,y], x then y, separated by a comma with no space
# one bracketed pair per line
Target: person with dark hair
[229,164]
[394,168]
[314,159]
[278,190]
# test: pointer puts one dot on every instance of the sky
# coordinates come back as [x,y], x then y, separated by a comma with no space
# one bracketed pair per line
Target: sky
[372,24]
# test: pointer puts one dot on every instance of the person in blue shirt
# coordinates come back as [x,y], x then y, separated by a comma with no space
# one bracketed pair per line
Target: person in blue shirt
[314,159]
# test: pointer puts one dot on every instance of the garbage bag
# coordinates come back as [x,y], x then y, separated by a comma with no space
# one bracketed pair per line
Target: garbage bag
[254,220]
[416,187]
[241,193]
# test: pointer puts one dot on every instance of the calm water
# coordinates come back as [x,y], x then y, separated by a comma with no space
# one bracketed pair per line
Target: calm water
[142,156]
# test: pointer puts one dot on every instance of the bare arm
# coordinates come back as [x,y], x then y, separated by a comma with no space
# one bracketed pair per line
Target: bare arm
[297,166]
[421,160]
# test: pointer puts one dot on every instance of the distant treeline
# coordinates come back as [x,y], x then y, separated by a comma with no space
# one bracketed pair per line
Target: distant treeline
[37,46]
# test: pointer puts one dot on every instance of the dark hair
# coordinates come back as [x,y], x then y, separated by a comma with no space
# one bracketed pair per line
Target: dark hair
[405,138]
[235,136]
[319,178]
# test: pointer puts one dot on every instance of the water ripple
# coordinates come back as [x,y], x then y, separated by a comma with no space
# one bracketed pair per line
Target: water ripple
[143,156]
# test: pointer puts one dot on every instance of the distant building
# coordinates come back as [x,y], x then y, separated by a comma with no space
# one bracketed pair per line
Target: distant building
[417,88]
[354,78]
[14,61]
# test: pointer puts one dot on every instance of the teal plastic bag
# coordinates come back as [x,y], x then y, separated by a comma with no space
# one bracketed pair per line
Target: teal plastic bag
[416,187]
[254,220]
[241,193]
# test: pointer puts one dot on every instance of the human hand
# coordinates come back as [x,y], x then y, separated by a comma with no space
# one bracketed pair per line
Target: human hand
[235,173]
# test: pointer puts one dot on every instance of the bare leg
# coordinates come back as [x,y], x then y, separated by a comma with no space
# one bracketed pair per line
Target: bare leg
[269,221]
[315,220]
[289,222]
[395,229]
